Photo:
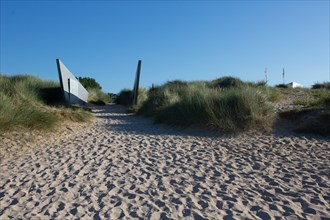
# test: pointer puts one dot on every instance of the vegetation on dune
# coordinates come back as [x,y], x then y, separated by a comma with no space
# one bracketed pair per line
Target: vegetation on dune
[325,85]
[125,97]
[96,95]
[312,111]
[321,101]
[283,86]
[231,105]
[225,104]
[313,97]
[89,83]
[28,102]
[241,109]
[227,82]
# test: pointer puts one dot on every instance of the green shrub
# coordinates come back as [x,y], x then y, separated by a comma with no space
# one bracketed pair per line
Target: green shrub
[113,97]
[257,84]
[89,83]
[125,97]
[325,85]
[283,86]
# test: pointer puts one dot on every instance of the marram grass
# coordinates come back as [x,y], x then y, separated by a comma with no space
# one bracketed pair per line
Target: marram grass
[232,108]
[97,95]
[24,104]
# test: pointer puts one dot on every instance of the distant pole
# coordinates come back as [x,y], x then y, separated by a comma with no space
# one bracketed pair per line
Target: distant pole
[136,84]
[266,74]
[283,76]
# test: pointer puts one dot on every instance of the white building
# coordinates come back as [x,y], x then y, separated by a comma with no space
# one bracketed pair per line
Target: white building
[295,85]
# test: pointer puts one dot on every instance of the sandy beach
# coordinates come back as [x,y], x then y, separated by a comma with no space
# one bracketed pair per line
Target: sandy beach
[123,166]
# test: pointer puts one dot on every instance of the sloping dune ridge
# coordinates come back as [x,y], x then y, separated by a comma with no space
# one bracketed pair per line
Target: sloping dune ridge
[123,166]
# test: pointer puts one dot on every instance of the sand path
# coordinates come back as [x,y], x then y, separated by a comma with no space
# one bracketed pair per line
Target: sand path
[125,167]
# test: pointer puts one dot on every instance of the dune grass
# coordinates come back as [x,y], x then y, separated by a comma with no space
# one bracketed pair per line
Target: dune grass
[27,102]
[97,96]
[125,97]
[227,82]
[229,107]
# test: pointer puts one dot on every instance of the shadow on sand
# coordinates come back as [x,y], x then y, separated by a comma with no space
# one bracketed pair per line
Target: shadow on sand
[119,120]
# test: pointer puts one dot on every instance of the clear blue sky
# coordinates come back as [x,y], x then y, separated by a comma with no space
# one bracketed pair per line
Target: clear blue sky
[187,40]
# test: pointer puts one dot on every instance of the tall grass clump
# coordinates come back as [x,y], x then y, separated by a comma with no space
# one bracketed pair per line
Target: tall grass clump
[241,109]
[25,103]
[227,108]
[272,94]
[97,96]
[175,105]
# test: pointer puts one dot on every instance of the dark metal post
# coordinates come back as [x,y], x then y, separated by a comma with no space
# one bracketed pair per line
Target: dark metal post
[69,90]
[60,77]
[136,84]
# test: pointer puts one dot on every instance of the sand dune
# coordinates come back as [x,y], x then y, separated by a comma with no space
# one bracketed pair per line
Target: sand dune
[125,167]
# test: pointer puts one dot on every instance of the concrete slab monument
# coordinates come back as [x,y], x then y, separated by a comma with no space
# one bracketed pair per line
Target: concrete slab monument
[73,91]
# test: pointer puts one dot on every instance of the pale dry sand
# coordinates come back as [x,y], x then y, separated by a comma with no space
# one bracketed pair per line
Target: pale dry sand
[125,167]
